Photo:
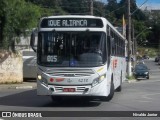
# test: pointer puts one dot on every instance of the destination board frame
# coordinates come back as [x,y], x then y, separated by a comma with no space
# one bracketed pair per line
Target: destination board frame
[71,23]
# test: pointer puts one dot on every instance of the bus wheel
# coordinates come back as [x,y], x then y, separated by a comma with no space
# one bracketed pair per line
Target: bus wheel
[119,89]
[110,96]
[56,98]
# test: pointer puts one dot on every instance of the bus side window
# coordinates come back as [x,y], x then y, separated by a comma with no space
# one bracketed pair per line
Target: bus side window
[109,48]
[113,47]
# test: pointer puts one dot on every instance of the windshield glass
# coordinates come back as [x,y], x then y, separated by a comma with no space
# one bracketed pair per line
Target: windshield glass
[140,67]
[71,49]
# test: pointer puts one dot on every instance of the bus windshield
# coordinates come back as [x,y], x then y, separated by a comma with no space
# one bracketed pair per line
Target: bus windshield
[71,49]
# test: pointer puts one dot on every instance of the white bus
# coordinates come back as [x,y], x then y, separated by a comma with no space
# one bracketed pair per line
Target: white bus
[79,56]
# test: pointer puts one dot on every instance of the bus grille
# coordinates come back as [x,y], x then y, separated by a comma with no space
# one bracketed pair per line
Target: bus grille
[70,72]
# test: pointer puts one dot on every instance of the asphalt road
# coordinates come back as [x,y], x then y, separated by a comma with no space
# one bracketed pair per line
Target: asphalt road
[143,95]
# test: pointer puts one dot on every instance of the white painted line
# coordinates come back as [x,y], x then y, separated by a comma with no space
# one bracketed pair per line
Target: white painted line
[145,101]
[132,81]
[26,57]
[24,87]
[142,81]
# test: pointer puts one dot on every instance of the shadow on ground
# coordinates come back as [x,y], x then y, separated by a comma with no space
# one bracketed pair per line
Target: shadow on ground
[30,99]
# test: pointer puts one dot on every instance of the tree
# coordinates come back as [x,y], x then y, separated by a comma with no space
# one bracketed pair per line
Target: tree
[19,17]
[99,8]
[49,7]
[112,5]
[2,21]
[141,30]
[75,6]
[154,22]
[111,9]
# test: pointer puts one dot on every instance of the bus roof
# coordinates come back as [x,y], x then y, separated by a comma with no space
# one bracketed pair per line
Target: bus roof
[73,16]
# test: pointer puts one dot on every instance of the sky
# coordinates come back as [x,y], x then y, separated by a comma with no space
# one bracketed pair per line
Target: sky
[150,4]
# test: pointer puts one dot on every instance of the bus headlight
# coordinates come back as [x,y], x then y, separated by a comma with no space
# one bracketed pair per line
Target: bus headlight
[42,80]
[39,77]
[98,80]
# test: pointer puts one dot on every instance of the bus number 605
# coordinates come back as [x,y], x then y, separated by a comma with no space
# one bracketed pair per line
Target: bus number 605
[51,58]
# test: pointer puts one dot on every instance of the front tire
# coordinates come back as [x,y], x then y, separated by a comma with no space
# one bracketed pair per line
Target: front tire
[119,89]
[111,94]
[56,98]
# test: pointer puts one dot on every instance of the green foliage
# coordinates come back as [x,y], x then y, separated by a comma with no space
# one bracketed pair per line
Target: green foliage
[150,51]
[141,32]
[19,16]
[75,6]
[130,78]
[112,5]
[154,22]
[50,7]
[99,8]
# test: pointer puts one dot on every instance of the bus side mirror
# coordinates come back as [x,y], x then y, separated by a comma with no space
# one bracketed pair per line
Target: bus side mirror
[33,40]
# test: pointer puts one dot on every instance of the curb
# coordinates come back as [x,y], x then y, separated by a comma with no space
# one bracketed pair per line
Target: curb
[24,87]
[18,86]
[131,81]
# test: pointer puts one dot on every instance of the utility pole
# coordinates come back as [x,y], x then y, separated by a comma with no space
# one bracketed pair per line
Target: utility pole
[91,7]
[134,49]
[129,72]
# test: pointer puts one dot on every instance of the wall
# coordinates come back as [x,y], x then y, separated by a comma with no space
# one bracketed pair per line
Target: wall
[11,69]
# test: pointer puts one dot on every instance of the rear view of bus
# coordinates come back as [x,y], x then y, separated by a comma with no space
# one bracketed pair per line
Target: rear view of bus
[74,58]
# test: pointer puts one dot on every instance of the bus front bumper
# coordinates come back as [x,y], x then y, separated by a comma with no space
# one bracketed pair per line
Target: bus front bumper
[101,89]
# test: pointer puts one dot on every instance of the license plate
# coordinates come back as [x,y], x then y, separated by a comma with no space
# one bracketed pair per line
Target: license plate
[69,90]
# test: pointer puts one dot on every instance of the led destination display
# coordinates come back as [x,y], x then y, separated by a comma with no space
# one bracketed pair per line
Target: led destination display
[71,22]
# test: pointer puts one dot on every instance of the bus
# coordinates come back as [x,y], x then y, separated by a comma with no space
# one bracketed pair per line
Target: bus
[79,56]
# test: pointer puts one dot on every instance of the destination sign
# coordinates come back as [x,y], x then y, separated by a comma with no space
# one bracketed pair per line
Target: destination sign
[71,22]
